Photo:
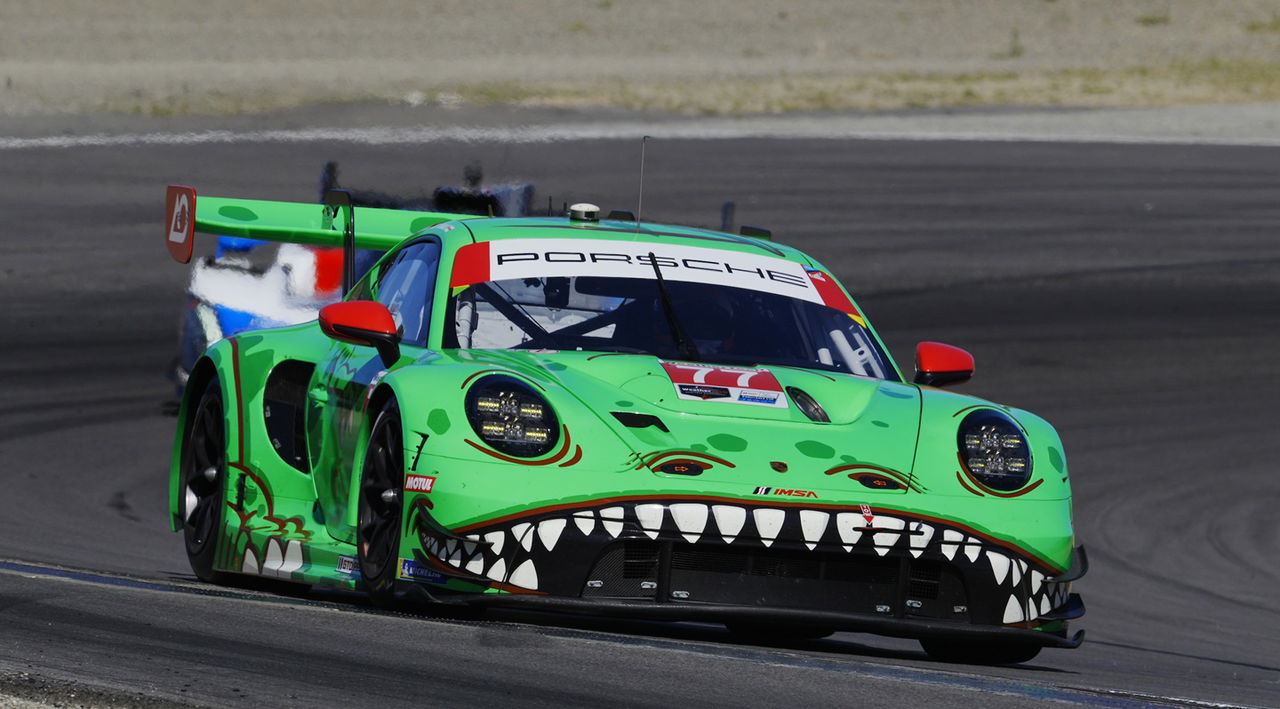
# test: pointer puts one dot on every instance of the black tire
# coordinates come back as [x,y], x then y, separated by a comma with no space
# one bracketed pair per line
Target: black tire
[203,477]
[381,506]
[778,633]
[980,652]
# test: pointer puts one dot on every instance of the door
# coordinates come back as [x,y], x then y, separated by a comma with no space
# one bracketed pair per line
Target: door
[337,420]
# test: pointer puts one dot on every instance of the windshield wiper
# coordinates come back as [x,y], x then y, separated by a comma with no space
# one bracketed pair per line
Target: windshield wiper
[688,350]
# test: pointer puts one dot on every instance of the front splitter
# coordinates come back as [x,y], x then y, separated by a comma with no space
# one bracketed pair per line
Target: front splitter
[889,626]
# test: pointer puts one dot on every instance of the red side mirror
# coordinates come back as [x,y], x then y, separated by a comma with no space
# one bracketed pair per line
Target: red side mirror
[939,365]
[363,322]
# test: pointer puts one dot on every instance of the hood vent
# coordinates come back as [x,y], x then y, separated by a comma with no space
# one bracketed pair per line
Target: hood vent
[634,420]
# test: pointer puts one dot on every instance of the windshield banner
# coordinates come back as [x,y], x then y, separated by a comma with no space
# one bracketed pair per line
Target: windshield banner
[539,258]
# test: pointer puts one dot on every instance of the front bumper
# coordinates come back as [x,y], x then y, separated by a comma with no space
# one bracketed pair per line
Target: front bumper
[722,560]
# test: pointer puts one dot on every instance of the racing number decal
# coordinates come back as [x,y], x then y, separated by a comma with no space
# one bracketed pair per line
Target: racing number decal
[180,224]
[739,385]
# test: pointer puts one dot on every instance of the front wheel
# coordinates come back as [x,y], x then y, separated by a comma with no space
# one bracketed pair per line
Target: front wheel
[381,506]
[203,470]
[980,652]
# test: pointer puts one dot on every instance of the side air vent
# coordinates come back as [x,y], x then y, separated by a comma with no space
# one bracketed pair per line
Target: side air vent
[284,409]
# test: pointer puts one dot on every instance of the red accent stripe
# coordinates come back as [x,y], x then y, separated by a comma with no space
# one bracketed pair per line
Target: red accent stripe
[994,493]
[965,485]
[889,472]
[470,265]
[235,370]
[975,406]
[521,377]
[831,292]
[864,466]
[564,448]
[577,456]
[695,454]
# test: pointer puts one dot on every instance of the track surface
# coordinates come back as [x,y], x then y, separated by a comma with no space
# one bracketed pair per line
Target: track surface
[1130,294]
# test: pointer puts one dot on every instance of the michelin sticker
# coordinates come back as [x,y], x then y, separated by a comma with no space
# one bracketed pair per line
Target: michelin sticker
[410,569]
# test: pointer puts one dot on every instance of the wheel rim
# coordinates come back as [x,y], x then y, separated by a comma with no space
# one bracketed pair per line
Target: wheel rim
[203,464]
[380,497]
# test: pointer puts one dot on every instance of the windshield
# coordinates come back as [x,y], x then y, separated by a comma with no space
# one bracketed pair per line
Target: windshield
[726,325]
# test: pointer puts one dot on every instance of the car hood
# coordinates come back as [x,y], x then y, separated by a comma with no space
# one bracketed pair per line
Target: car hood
[738,426]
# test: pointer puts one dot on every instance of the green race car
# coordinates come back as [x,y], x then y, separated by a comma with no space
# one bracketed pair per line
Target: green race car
[618,418]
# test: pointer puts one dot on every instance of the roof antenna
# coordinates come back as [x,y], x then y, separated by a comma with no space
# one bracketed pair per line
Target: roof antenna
[640,201]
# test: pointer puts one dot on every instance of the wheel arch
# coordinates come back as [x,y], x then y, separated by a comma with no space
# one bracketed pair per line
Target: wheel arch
[202,373]
[381,394]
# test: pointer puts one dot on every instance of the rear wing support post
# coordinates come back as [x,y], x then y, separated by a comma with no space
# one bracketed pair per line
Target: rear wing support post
[335,200]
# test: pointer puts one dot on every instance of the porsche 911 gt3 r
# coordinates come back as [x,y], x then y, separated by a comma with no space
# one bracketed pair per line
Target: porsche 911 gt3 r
[618,418]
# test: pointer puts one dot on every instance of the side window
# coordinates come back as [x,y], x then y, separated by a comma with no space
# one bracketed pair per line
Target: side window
[406,285]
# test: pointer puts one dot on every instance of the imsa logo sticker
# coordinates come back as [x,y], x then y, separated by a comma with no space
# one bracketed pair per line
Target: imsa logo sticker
[784,492]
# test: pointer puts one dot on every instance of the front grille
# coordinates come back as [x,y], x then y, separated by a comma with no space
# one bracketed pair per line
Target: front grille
[832,581]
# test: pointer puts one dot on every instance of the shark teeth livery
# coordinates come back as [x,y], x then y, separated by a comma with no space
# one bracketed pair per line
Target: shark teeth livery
[537,552]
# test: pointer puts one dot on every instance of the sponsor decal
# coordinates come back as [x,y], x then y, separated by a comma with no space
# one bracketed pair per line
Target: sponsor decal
[180,222]
[866,514]
[347,565]
[737,385]
[419,483]
[795,493]
[538,258]
[410,569]
[784,492]
[700,391]
[181,214]
[752,396]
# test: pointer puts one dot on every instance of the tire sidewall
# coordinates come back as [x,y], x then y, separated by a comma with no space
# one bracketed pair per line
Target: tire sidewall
[202,560]
[382,586]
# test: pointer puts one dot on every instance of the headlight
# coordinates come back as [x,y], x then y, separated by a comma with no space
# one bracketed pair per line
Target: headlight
[511,417]
[994,450]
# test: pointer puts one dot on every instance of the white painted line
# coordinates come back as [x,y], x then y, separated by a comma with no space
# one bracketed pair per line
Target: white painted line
[783,128]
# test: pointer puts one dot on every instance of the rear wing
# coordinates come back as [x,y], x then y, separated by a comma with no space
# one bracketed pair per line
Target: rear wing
[330,224]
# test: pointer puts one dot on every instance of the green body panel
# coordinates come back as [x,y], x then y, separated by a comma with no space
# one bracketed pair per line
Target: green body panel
[893,426]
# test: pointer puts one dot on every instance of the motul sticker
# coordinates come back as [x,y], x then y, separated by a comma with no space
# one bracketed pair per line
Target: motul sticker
[419,483]
[738,385]
[180,222]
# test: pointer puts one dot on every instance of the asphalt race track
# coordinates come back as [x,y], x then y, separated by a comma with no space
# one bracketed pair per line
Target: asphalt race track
[1128,293]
